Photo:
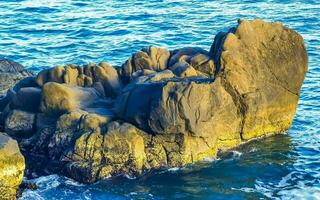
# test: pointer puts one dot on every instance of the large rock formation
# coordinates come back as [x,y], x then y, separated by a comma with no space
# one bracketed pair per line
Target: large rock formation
[162,108]
[263,66]
[11,167]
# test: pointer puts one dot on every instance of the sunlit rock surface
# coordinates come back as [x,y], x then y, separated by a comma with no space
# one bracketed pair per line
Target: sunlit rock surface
[11,167]
[162,108]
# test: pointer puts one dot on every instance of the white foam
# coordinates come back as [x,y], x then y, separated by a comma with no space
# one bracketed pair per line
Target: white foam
[301,193]
[174,169]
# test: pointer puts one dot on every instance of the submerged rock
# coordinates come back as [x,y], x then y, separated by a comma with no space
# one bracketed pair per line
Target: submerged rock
[11,167]
[163,108]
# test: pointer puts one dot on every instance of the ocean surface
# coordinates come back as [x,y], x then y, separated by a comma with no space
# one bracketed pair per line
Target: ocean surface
[45,33]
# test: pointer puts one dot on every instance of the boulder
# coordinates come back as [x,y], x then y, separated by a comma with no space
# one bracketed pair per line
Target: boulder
[6,99]
[184,70]
[58,98]
[192,61]
[194,107]
[263,66]
[20,124]
[27,99]
[153,77]
[83,76]
[11,167]
[151,58]
[10,73]
[71,126]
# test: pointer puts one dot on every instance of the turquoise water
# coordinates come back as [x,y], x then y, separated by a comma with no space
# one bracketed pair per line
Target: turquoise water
[44,33]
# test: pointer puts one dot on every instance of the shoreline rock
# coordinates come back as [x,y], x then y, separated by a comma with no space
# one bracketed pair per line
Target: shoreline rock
[11,167]
[162,108]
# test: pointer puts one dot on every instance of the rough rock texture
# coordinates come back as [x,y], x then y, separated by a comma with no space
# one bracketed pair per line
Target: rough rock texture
[163,108]
[191,62]
[10,73]
[86,76]
[19,123]
[151,58]
[62,98]
[11,167]
[263,67]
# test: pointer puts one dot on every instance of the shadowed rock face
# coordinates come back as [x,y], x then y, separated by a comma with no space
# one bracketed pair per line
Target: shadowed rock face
[11,167]
[162,108]
[10,73]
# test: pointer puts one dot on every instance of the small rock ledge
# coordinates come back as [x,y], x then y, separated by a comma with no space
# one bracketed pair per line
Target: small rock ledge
[161,108]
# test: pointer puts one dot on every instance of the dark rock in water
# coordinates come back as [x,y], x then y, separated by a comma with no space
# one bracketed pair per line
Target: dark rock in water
[20,124]
[169,109]
[11,167]
[10,73]
[26,186]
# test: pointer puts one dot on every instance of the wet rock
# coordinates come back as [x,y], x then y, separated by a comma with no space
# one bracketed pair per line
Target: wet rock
[20,124]
[11,167]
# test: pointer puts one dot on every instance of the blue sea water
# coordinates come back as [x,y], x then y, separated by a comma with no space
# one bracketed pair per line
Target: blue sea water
[44,33]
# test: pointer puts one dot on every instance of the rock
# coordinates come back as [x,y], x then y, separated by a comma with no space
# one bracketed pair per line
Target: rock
[187,107]
[154,77]
[204,64]
[58,98]
[4,100]
[10,73]
[27,99]
[184,70]
[11,167]
[168,111]
[86,76]
[263,67]
[151,58]
[108,76]
[71,126]
[11,92]
[183,54]
[190,61]
[143,72]
[165,74]
[20,124]
[39,142]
